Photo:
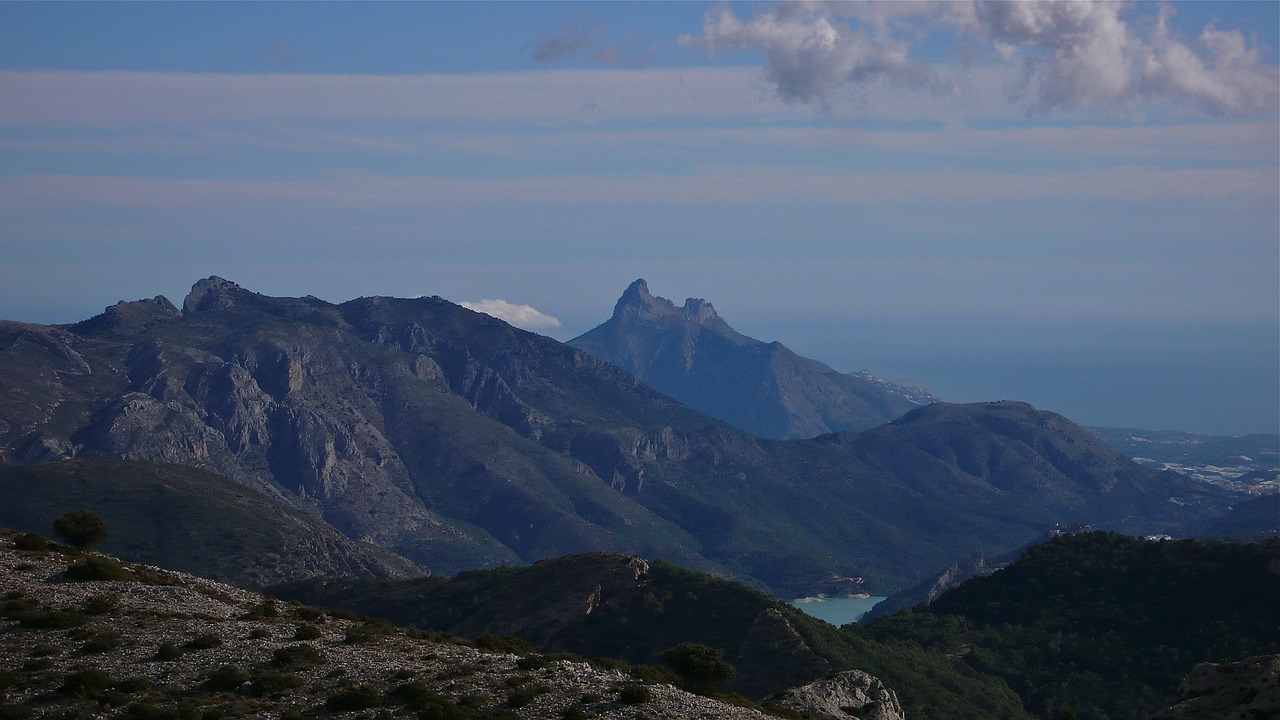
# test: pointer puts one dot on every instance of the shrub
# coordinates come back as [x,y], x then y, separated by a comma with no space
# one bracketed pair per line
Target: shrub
[226,679]
[297,656]
[573,712]
[51,619]
[505,644]
[101,643]
[97,568]
[307,632]
[86,683]
[634,695]
[100,604]
[148,711]
[37,664]
[368,630]
[82,528]
[132,685]
[354,698]
[15,712]
[520,697]
[702,669]
[270,682]
[31,541]
[266,610]
[168,651]
[203,642]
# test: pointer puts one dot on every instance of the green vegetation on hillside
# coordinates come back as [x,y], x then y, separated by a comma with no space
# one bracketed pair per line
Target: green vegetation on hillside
[1101,624]
[640,620]
[185,519]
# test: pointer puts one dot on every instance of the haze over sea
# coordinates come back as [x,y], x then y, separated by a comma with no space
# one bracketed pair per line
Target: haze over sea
[1072,204]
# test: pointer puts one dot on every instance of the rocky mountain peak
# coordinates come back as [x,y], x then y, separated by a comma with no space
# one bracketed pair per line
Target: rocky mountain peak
[638,302]
[211,293]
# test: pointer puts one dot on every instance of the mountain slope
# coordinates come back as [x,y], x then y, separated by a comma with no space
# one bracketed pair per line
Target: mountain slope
[693,355]
[603,604]
[458,441]
[191,520]
[157,644]
[1103,624]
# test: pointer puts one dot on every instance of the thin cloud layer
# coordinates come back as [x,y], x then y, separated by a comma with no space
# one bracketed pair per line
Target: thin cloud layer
[522,316]
[1063,56]
[585,39]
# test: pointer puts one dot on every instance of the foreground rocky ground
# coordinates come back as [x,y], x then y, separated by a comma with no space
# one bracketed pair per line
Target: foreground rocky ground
[159,644]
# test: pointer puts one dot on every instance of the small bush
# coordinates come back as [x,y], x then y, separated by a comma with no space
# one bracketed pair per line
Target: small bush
[520,697]
[82,528]
[359,697]
[148,711]
[298,656]
[168,651]
[132,685]
[307,632]
[51,619]
[259,633]
[37,664]
[266,610]
[634,695]
[86,683]
[270,682]
[97,568]
[31,541]
[43,650]
[368,630]
[203,642]
[100,604]
[15,712]
[101,643]
[573,712]
[505,644]
[344,614]
[226,679]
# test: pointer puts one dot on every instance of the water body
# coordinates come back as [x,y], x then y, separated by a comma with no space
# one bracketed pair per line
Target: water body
[837,611]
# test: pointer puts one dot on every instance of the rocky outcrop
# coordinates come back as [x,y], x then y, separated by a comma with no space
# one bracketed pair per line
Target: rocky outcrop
[845,695]
[1228,691]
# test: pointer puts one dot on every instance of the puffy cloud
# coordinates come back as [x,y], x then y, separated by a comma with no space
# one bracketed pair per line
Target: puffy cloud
[1079,54]
[811,51]
[522,316]
[1066,55]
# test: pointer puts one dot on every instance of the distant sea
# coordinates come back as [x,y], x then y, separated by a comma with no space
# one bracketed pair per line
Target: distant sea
[837,611]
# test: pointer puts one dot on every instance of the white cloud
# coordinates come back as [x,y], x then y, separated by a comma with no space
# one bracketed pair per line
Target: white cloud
[1061,56]
[522,316]
[810,52]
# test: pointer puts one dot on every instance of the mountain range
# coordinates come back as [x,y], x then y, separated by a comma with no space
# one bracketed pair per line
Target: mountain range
[457,441]
[690,353]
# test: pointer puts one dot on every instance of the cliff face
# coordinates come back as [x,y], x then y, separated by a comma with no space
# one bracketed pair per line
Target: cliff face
[690,353]
[457,441]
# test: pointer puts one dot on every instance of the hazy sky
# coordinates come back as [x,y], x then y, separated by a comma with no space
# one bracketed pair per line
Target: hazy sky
[1072,204]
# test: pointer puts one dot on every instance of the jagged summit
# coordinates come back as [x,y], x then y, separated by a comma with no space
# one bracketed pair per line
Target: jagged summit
[693,355]
[211,293]
[637,301]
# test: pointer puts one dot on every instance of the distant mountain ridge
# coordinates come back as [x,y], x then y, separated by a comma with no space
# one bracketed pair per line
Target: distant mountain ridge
[690,353]
[457,441]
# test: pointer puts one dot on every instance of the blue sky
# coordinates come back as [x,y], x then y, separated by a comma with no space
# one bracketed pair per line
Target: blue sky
[1073,204]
